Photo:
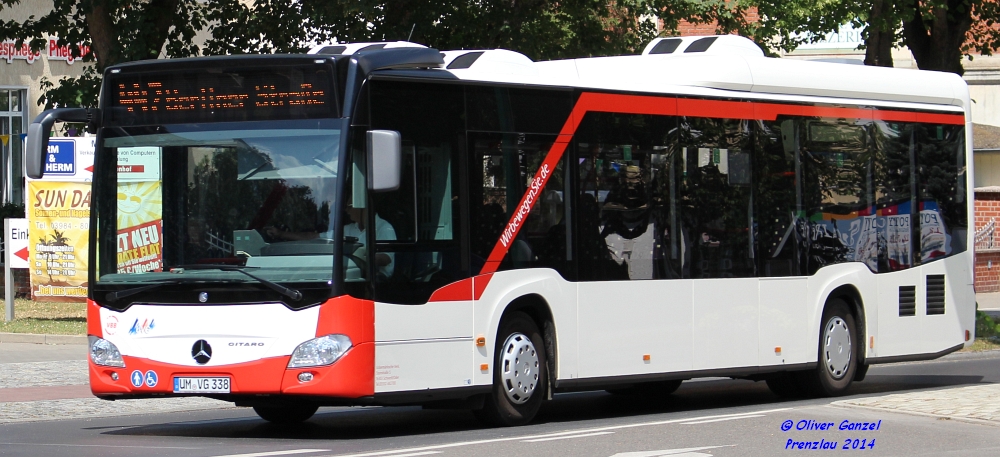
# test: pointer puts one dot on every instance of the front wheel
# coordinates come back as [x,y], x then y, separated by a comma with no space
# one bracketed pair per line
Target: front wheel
[838,351]
[519,374]
[292,414]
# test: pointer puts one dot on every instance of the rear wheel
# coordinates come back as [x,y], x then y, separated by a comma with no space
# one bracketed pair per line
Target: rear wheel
[838,358]
[519,374]
[292,414]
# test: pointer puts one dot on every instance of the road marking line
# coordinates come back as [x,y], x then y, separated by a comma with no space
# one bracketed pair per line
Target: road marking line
[574,432]
[396,453]
[720,420]
[567,437]
[414,454]
[688,452]
[288,452]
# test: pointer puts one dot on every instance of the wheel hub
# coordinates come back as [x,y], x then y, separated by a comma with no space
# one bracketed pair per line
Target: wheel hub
[519,368]
[837,347]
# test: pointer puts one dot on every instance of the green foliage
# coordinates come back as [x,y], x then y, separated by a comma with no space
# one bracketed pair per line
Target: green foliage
[987,327]
[541,29]
[128,30]
[117,31]
[11,210]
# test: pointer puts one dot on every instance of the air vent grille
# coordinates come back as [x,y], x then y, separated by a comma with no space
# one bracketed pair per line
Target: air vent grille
[907,301]
[935,294]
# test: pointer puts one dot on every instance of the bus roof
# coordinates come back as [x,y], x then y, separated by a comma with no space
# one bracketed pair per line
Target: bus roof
[730,69]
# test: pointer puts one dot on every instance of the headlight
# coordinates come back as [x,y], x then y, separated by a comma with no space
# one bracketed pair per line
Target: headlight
[320,351]
[104,352]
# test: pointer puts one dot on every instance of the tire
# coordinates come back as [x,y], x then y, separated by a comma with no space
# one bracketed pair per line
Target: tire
[861,373]
[520,378]
[838,352]
[293,414]
[658,389]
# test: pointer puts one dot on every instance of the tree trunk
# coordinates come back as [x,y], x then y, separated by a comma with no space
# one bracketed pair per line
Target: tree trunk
[102,35]
[936,40]
[878,42]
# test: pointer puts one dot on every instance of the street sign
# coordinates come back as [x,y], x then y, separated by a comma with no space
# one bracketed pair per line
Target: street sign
[15,239]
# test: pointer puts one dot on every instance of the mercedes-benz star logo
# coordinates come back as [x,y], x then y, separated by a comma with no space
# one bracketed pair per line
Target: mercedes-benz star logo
[201,351]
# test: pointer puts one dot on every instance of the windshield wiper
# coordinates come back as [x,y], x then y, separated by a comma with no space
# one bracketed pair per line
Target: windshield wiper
[288,292]
[120,294]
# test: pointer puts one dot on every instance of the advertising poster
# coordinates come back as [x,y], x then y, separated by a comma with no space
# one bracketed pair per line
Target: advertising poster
[58,211]
[58,222]
[140,227]
[140,210]
[934,238]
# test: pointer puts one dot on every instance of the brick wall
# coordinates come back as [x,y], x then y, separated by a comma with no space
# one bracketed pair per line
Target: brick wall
[685,28]
[988,259]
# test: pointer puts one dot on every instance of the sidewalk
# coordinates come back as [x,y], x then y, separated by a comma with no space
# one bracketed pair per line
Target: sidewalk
[968,404]
[50,381]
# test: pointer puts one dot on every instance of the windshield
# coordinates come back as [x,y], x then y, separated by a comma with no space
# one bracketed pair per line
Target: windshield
[197,202]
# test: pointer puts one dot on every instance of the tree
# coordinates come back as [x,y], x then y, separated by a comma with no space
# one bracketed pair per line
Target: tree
[117,30]
[126,30]
[939,33]
[540,29]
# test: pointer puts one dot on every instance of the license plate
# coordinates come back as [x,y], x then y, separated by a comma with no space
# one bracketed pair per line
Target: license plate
[214,385]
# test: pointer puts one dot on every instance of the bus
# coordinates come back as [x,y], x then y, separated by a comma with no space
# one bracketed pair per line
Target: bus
[617,223]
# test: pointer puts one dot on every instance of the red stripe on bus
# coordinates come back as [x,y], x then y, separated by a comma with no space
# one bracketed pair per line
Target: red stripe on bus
[716,109]
[479,284]
[670,106]
[894,116]
[466,289]
[456,291]
[94,324]
[934,118]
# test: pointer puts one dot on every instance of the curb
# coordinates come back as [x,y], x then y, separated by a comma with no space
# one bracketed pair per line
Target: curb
[42,339]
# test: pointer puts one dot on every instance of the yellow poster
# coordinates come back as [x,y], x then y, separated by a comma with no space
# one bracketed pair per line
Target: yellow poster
[140,227]
[58,220]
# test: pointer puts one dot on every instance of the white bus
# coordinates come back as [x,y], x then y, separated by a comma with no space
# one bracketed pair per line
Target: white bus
[617,223]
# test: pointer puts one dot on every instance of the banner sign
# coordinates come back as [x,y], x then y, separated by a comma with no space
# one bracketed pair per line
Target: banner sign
[70,159]
[60,158]
[138,164]
[59,219]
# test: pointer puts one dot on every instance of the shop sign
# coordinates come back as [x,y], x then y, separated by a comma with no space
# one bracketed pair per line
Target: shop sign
[9,51]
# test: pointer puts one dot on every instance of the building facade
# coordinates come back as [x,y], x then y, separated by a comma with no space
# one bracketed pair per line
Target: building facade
[21,100]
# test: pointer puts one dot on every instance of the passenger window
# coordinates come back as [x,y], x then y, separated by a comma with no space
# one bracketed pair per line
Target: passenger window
[941,177]
[715,198]
[837,192]
[503,170]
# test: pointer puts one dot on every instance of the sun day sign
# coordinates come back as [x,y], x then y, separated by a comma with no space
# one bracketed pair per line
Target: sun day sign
[58,210]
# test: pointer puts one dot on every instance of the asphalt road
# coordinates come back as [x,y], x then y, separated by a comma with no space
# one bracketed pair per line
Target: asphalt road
[704,418]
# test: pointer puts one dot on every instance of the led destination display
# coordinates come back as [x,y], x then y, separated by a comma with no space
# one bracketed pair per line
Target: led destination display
[221,95]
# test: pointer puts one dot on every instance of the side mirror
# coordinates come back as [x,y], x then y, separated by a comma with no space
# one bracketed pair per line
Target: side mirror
[384,160]
[41,128]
